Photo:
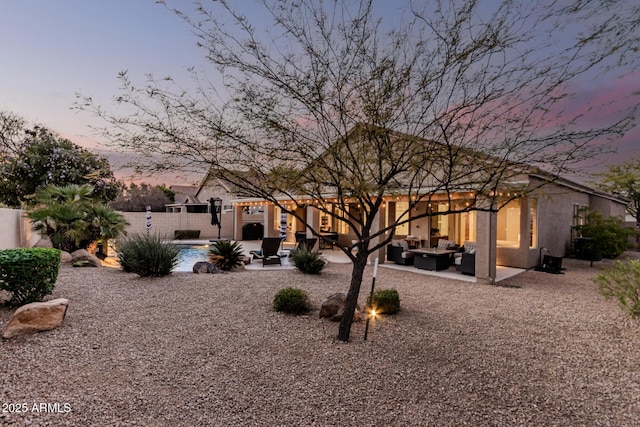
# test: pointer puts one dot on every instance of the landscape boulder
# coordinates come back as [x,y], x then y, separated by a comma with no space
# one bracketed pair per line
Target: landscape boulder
[66,257]
[332,308]
[203,267]
[84,255]
[36,317]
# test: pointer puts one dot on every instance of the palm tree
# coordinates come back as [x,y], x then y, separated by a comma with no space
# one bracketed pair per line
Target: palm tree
[73,219]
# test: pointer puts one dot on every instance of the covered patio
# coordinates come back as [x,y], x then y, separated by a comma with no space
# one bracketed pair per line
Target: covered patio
[338,257]
[459,227]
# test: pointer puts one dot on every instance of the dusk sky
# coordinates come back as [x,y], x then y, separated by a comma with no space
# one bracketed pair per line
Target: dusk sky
[52,50]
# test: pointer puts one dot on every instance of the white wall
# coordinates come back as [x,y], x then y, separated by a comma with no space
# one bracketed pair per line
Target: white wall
[165,223]
[15,230]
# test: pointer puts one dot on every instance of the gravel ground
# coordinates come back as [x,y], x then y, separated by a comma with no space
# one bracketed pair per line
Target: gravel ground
[199,350]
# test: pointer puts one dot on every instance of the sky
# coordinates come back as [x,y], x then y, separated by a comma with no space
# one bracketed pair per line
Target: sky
[53,50]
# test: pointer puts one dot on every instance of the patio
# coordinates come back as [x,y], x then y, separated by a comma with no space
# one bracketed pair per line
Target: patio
[338,257]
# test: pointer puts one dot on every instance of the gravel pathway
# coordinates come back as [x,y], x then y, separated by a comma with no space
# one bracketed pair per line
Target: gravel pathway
[200,350]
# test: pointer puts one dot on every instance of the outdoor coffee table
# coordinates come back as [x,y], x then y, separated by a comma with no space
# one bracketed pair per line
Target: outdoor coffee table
[432,259]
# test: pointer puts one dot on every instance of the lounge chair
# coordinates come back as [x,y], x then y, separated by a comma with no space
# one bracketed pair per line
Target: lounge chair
[268,253]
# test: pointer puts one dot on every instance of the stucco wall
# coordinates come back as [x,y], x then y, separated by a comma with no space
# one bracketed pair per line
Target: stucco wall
[15,230]
[555,218]
[165,223]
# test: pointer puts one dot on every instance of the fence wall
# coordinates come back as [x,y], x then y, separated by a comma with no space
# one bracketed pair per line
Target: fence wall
[166,223]
[15,230]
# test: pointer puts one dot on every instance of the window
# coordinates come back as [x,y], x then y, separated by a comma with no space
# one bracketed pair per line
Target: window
[508,233]
[533,223]
[401,208]
[442,221]
[467,227]
[579,215]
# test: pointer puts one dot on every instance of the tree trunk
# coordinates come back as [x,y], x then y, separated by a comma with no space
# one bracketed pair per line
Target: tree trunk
[352,296]
[638,230]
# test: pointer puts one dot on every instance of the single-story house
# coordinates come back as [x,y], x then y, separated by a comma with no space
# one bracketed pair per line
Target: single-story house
[514,236]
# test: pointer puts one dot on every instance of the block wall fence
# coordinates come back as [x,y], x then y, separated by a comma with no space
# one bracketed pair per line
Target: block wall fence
[165,223]
[16,232]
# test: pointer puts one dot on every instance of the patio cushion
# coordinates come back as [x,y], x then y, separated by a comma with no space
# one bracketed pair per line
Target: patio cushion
[445,244]
[470,247]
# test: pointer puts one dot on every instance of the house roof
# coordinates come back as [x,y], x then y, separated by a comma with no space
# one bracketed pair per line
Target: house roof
[185,193]
[520,172]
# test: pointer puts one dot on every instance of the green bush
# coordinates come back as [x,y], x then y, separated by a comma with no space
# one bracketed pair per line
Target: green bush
[28,274]
[74,218]
[307,261]
[147,255]
[291,301]
[186,234]
[226,255]
[385,301]
[607,237]
[623,283]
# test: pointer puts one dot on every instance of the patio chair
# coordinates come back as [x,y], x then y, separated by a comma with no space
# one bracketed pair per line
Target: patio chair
[268,253]
[466,261]
[300,235]
[328,239]
[305,245]
[467,264]
[398,252]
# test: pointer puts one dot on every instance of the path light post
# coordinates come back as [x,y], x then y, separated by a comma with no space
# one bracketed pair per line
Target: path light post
[372,313]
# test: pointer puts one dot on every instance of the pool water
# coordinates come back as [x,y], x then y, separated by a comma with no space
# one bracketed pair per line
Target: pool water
[189,255]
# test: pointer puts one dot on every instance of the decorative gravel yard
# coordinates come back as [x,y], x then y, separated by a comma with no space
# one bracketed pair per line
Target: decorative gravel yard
[187,350]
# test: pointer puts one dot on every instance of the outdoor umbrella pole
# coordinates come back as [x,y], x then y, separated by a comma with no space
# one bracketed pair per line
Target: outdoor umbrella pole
[373,285]
[215,220]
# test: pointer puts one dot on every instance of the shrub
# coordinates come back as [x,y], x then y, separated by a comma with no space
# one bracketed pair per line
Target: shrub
[623,283]
[186,234]
[147,255]
[74,218]
[607,237]
[385,301]
[308,262]
[226,254]
[28,274]
[291,301]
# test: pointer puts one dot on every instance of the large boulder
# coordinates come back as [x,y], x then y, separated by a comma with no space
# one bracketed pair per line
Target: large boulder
[203,267]
[84,255]
[332,308]
[36,317]
[66,257]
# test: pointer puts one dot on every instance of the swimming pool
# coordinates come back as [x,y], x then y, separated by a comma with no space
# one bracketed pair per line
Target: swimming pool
[190,254]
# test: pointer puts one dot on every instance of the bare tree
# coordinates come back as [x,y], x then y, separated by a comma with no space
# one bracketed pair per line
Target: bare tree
[333,104]
[12,134]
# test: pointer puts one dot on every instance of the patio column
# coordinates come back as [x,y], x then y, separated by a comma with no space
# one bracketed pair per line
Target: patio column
[269,215]
[313,221]
[377,225]
[486,246]
[237,222]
